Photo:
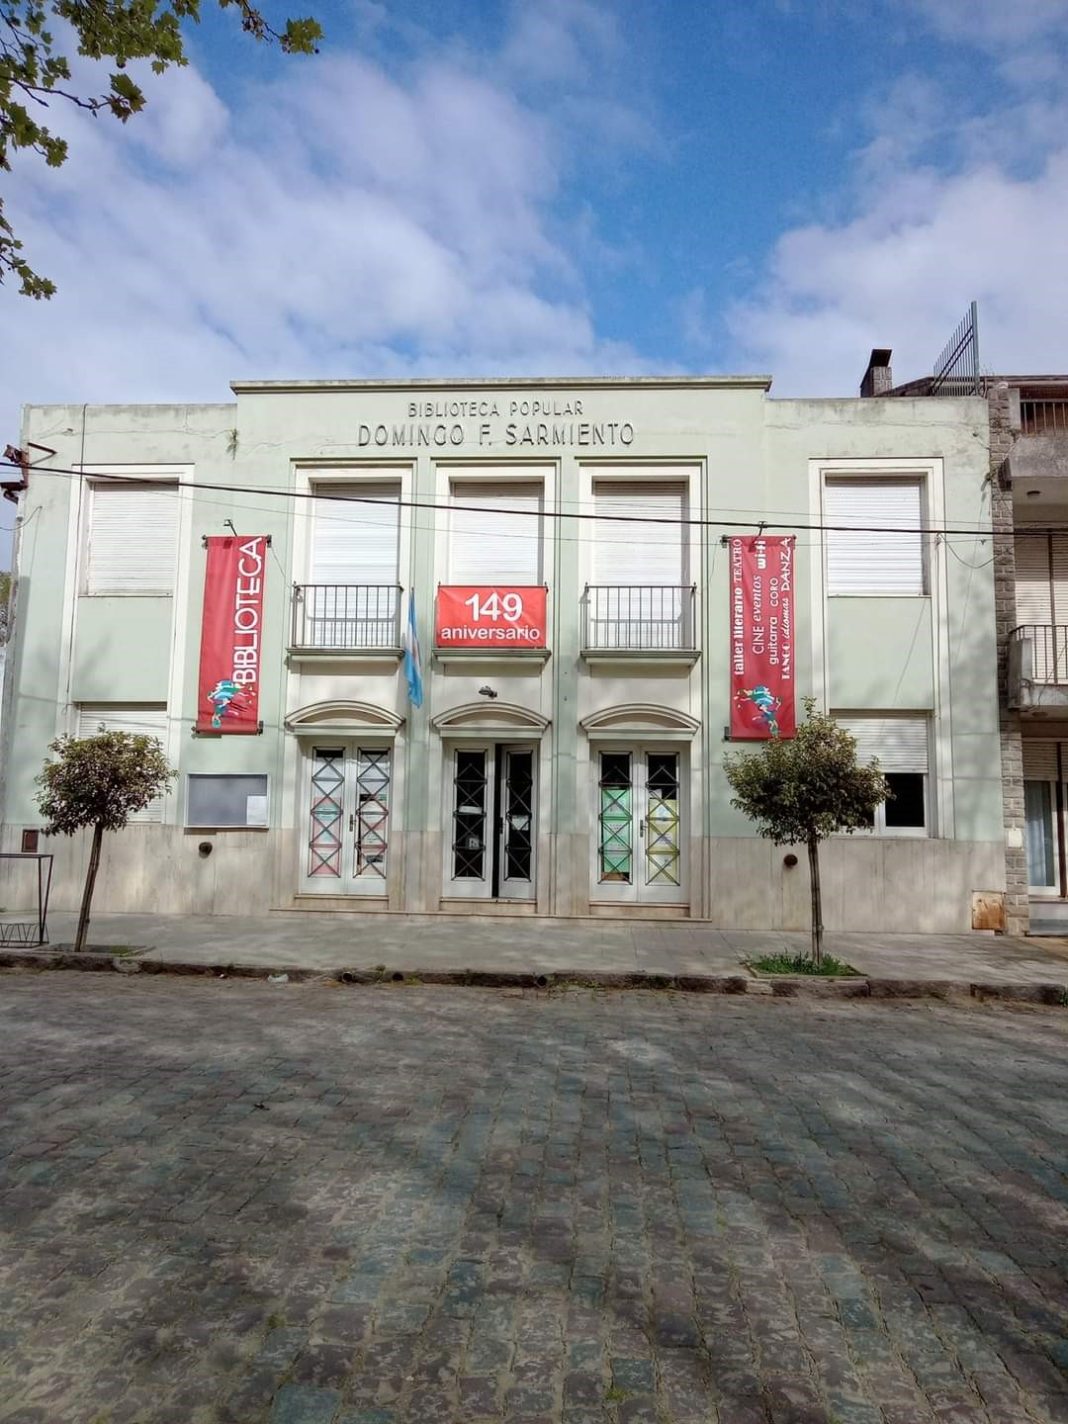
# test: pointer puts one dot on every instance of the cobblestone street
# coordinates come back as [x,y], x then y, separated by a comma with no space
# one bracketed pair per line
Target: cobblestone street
[243,1202]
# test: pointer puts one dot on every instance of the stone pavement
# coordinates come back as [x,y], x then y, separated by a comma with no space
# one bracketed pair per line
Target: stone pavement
[414,943]
[241,1203]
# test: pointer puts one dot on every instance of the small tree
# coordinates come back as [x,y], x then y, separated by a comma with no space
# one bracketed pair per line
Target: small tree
[805,789]
[100,782]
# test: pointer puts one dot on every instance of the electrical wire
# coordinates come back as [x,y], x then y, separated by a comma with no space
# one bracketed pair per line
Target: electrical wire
[762,525]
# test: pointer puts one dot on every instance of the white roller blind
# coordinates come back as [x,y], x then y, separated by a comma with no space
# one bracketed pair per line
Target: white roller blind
[867,555]
[498,540]
[900,743]
[138,721]
[1040,761]
[1033,600]
[355,543]
[649,552]
[132,538]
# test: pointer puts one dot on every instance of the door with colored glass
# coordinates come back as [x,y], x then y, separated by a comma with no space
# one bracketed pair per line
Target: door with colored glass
[491,841]
[638,846]
[347,835]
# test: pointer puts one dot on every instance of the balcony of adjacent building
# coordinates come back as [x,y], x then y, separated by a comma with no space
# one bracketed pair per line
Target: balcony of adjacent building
[1038,669]
[640,624]
[1039,419]
[347,623]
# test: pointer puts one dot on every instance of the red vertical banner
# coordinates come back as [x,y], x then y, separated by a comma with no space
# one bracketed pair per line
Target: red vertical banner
[228,689]
[762,637]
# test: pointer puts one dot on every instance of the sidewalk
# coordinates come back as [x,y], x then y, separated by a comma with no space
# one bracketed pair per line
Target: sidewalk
[434,944]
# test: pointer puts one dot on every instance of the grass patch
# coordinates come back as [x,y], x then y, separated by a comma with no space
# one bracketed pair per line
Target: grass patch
[830,968]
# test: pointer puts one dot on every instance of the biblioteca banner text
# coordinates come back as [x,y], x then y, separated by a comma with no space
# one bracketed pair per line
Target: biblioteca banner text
[527,423]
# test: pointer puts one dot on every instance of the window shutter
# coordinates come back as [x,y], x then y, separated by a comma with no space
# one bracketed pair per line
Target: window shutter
[356,543]
[1060,578]
[899,743]
[640,553]
[1040,761]
[132,544]
[874,559]
[138,721]
[499,540]
[1033,601]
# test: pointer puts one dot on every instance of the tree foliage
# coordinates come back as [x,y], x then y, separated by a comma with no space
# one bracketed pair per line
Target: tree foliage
[99,782]
[803,790]
[35,73]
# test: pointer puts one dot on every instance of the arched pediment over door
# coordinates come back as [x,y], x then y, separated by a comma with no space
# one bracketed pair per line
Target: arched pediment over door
[640,721]
[496,721]
[344,719]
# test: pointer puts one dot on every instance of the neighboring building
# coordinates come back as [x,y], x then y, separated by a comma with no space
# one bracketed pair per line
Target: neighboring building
[583,777]
[1029,504]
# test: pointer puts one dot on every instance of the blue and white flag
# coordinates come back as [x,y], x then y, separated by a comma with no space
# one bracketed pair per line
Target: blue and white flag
[413,666]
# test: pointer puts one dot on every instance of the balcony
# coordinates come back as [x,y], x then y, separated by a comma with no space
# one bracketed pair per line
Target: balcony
[335,622]
[1043,417]
[1038,669]
[650,623]
[1041,451]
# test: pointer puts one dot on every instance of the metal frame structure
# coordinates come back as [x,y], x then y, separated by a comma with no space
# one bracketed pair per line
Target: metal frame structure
[956,372]
[347,617]
[18,931]
[639,618]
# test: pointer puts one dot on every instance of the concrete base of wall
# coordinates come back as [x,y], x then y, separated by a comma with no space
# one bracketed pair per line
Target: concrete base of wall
[895,885]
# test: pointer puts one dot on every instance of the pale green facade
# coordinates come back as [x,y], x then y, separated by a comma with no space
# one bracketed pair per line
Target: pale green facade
[743,457]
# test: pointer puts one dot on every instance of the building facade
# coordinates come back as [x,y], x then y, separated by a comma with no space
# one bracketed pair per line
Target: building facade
[571,766]
[1028,417]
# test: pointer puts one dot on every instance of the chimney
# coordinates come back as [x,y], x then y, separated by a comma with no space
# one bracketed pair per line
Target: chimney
[878,379]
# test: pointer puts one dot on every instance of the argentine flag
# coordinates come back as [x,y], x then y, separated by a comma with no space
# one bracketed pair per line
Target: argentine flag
[413,668]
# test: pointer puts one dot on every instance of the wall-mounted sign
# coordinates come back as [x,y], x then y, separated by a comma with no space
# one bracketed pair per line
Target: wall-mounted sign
[228,690]
[490,617]
[762,637]
[543,421]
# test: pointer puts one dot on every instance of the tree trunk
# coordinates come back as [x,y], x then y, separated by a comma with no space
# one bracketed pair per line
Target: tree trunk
[90,882]
[817,903]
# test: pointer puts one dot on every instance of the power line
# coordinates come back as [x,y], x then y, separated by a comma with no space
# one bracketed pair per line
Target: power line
[762,525]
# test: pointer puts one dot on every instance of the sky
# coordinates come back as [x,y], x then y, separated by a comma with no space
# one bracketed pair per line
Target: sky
[556,187]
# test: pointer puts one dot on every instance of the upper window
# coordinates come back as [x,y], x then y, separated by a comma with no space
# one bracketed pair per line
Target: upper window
[1041,577]
[900,743]
[146,720]
[866,553]
[355,536]
[131,541]
[638,597]
[495,534]
[644,540]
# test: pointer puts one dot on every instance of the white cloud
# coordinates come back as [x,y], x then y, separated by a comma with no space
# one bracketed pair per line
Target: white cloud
[902,273]
[950,202]
[344,220]
[558,41]
[993,24]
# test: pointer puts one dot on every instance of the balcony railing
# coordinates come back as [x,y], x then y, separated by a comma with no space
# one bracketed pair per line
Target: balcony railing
[346,617]
[1044,417]
[1041,652]
[650,618]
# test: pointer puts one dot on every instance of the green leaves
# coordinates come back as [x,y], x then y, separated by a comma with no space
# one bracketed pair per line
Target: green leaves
[125,98]
[100,781]
[301,36]
[33,75]
[808,787]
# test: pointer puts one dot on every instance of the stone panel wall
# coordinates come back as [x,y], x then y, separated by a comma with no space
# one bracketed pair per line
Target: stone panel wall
[1002,437]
